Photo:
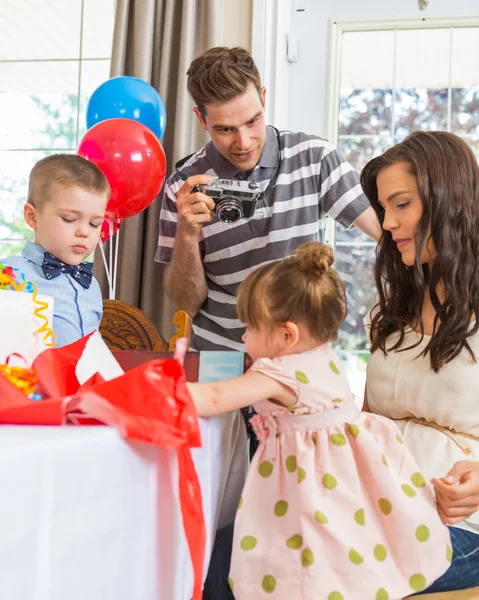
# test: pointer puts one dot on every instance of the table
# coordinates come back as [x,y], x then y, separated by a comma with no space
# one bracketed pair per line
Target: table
[86,515]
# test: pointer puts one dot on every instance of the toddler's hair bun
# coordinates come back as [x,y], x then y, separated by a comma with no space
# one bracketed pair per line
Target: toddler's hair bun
[315,257]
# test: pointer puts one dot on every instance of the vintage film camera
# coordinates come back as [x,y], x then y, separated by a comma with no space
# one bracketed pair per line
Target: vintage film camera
[233,199]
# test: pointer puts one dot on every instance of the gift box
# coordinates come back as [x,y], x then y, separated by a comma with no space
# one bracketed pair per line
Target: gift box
[83,384]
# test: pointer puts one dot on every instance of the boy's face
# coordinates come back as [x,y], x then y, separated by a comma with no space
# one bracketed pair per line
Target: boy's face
[68,225]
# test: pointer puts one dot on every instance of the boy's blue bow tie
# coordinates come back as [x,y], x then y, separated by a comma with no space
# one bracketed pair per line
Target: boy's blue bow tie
[52,267]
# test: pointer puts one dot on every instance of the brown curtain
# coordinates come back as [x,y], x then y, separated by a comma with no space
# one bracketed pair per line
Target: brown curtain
[156,40]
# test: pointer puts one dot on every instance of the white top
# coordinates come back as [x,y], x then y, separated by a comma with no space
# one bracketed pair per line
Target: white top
[402,385]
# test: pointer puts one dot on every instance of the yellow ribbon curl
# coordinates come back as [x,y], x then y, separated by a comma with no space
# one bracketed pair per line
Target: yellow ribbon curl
[38,312]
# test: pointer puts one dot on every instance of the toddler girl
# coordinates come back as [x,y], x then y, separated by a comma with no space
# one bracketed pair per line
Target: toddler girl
[334,507]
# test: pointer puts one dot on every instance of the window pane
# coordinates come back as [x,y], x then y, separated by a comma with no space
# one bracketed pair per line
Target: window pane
[465,57]
[355,264]
[420,108]
[422,58]
[364,111]
[422,79]
[365,93]
[40,108]
[98,20]
[93,74]
[36,29]
[15,169]
[359,150]
[474,144]
[465,111]
[11,248]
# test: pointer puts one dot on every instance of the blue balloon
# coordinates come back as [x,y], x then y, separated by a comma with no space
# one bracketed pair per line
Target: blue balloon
[127,98]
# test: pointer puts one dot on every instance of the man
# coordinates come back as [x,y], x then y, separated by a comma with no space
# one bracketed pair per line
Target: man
[303,177]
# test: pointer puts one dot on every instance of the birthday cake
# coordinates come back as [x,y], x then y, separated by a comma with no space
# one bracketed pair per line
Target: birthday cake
[27,317]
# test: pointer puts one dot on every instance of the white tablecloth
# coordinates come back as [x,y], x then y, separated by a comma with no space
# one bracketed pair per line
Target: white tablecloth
[85,515]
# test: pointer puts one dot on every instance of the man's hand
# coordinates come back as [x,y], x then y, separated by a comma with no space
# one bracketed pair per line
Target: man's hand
[457,494]
[194,209]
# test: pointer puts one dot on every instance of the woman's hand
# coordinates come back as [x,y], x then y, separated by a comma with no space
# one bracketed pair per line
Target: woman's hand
[457,494]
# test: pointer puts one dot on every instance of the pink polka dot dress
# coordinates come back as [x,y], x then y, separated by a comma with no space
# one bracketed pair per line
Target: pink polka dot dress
[334,507]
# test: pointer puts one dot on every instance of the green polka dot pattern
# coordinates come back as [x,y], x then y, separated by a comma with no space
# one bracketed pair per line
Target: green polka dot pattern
[307,558]
[385,462]
[280,508]
[355,557]
[385,506]
[321,518]
[335,596]
[291,464]
[338,439]
[248,543]
[333,367]
[407,489]
[230,583]
[449,554]
[268,584]
[265,468]
[418,480]
[359,516]
[329,481]
[417,582]
[301,377]
[380,552]
[240,503]
[422,533]
[294,542]
[301,475]
[353,430]
[382,595]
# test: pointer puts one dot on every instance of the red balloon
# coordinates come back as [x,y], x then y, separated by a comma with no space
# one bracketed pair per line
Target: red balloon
[105,228]
[132,159]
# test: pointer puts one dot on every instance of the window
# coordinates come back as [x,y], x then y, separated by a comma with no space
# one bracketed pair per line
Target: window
[53,54]
[389,80]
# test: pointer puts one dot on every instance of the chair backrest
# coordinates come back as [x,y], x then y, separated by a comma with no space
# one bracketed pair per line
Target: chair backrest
[126,327]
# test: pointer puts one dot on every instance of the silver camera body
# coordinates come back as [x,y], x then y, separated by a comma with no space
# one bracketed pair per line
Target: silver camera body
[233,199]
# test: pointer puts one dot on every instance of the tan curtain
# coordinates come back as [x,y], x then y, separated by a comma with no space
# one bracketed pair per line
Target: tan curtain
[156,40]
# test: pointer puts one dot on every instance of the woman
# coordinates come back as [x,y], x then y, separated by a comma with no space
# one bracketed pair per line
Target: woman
[424,369]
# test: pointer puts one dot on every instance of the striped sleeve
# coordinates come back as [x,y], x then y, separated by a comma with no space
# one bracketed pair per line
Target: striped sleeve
[341,195]
[168,220]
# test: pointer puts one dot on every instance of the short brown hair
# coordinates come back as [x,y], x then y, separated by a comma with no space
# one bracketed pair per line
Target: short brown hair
[220,74]
[67,170]
[302,288]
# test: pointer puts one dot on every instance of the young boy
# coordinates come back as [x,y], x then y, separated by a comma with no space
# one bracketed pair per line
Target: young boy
[67,198]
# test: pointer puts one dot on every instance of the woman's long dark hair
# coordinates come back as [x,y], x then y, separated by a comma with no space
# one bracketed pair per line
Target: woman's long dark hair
[447,174]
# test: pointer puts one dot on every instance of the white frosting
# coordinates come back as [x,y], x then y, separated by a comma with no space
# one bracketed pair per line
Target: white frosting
[19,326]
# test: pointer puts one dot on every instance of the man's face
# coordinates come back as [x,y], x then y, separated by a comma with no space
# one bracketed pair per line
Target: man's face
[237,128]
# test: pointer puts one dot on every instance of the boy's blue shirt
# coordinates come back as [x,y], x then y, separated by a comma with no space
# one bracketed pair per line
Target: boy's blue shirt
[77,311]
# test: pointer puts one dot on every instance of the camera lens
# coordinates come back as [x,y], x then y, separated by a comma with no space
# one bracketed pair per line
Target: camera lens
[229,210]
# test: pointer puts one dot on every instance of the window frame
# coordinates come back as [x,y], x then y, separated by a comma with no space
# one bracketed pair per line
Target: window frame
[336,31]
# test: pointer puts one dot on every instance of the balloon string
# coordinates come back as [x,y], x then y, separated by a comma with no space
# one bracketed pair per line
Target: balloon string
[38,312]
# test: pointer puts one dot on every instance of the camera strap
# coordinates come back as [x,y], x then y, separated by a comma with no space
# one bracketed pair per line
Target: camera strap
[273,180]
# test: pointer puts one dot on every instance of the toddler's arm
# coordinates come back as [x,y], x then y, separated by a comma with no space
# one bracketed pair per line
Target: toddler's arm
[224,396]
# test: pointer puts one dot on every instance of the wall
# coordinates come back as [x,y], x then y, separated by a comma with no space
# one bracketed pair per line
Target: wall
[237,19]
[307,111]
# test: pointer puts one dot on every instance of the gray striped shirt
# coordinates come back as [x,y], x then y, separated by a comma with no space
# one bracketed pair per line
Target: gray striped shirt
[314,180]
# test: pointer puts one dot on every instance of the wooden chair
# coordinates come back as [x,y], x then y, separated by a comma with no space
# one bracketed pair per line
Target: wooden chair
[125,327]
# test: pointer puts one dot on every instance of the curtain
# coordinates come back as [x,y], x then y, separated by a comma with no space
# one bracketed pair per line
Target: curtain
[156,40]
